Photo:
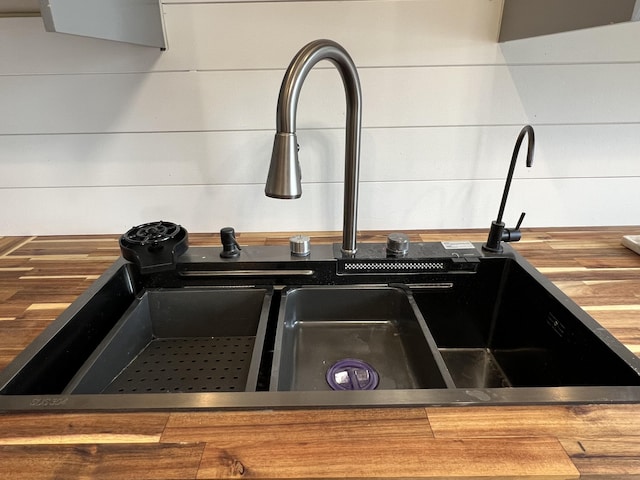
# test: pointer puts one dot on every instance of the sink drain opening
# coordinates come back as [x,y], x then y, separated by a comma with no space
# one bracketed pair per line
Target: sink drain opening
[352,374]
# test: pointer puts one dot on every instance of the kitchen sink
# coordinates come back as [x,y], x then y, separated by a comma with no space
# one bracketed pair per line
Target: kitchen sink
[447,324]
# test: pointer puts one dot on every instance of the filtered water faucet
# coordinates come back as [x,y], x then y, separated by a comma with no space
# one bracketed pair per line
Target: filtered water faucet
[498,233]
[283,180]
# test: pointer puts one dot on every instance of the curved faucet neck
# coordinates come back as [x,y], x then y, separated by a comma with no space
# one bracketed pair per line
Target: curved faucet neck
[295,76]
[297,72]
[526,130]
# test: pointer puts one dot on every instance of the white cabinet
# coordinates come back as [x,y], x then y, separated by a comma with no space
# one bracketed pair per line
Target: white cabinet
[132,21]
[531,18]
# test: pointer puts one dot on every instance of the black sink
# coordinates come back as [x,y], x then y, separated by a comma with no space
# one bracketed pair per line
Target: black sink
[442,326]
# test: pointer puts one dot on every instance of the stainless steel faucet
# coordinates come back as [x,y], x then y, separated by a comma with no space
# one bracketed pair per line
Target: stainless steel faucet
[283,180]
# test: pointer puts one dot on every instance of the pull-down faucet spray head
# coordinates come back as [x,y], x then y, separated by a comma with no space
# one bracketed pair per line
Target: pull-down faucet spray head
[498,233]
[283,180]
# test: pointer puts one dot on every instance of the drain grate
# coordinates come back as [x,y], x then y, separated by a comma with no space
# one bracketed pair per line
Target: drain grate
[188,365]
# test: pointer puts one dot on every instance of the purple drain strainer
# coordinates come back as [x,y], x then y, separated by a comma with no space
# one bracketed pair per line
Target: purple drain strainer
[352,374]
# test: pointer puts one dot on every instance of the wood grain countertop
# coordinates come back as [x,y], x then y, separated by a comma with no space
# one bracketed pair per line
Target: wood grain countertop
[41,276]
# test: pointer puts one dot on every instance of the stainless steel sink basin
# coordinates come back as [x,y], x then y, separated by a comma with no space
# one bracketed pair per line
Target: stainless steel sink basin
[444,327]
[320,326]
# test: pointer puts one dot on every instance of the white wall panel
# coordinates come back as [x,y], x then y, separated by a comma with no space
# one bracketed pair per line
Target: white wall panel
[376,33]
[175,101]
[97,136]
[235,36]
[236,158]
[440,204]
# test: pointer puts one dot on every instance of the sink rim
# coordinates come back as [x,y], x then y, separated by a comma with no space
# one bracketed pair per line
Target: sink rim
[331,399]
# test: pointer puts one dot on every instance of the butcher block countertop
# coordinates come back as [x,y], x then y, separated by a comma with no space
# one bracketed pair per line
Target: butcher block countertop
[41,276]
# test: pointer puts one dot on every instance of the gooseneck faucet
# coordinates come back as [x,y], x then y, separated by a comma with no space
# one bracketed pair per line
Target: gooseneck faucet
[498,233]
[283,180]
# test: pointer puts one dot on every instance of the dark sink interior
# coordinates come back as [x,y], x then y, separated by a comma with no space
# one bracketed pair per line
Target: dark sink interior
[125,339]
[485,329]
[502,328]
[177,340]
[318,327]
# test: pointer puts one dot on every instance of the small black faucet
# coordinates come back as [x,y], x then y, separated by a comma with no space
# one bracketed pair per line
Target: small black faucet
[498,233]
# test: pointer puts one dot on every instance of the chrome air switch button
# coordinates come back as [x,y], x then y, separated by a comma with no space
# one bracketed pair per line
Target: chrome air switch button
[397,244]
[300,245]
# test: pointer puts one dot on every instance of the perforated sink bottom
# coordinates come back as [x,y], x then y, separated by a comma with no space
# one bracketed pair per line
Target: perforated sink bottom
[195,364]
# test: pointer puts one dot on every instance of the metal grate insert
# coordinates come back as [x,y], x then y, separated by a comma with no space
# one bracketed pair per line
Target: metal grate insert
[188,365]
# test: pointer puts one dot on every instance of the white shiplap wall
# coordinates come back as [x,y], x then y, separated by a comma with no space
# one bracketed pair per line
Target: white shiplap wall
[97,136]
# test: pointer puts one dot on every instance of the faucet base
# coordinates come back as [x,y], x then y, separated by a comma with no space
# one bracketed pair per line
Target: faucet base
[494,240]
